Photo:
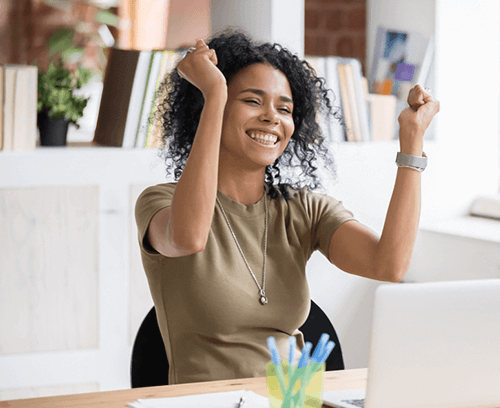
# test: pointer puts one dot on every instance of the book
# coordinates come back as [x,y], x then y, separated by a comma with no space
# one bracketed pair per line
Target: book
[382,113]
[425,72]
[337,130]
[318,64]
[137,99]
[154,132]
[20,101]
[115,99]
[147,105]
[123,92]
[24,128]
[344,78]
[9,103]
[400,58]
[1,105]
[351,92]
[346,106]
[31,115]
[361,103]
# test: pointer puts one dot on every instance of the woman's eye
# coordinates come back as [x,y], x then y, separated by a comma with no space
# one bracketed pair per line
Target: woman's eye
[286,110]
[252,101]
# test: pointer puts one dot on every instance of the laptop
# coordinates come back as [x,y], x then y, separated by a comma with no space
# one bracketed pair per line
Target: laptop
[432,345]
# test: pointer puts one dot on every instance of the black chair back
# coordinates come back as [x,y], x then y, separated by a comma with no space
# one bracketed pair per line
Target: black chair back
[149,365]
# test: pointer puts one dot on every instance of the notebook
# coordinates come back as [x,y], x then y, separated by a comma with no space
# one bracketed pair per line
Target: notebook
[432,345]
[228,399]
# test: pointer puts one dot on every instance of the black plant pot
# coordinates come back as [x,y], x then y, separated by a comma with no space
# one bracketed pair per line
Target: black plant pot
[53,131]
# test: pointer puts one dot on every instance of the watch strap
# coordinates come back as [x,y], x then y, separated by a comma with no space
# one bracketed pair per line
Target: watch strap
[418,163]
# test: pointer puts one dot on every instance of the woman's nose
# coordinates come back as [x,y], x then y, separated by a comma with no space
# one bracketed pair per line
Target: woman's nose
[269,115]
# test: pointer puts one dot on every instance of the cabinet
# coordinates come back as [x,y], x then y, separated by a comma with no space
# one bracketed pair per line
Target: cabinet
[72,290]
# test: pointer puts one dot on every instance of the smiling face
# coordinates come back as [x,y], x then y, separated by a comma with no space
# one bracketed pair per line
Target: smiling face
[258,120]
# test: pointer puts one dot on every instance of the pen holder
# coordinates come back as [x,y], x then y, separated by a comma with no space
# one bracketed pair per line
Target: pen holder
[307,388]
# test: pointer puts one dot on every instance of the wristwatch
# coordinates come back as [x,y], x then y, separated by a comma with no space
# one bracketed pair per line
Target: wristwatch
[418,163]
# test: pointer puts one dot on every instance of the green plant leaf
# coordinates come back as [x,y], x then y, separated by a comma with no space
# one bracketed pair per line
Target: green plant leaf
[60,41]
[55,92]
[107,17]
[72,54]
[59,4]
[84,74]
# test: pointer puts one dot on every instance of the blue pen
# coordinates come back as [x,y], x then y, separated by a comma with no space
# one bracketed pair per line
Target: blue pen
[273,348]
[304,359]
[320,347]
[292,342]
[328,349]
[303,362]
[275,356]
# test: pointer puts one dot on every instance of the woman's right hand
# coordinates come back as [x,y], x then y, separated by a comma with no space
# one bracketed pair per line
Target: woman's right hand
[199,67]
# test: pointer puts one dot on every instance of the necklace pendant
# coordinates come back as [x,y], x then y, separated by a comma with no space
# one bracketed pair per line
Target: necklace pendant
[263,300]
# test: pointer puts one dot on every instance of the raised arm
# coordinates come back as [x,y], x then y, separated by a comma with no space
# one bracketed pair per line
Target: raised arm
[182,229]
[356,249]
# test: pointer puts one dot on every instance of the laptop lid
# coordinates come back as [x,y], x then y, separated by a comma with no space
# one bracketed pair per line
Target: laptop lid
[435,345]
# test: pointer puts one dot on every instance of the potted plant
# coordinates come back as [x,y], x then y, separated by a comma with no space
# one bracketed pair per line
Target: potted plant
[57,106]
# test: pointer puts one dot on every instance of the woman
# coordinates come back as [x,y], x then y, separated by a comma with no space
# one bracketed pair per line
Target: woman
[225,248]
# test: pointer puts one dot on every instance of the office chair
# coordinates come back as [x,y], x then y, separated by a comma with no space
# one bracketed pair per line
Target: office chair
[149,364]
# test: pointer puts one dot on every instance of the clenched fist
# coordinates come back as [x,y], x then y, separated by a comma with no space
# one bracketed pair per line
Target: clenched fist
[199,67]
[414,120]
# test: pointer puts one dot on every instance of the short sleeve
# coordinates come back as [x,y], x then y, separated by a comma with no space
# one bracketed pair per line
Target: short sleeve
[151,200]
[326,215]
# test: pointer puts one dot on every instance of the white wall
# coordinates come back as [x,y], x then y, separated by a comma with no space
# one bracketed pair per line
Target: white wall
[468,72]
[280,21]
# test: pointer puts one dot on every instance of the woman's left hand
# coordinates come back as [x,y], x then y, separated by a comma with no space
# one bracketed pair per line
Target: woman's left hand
[414,120]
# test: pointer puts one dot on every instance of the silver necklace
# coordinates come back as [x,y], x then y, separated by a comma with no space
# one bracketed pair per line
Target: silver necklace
[262,290]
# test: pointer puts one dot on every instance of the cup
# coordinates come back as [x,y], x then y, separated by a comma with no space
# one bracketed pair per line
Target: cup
[307,390]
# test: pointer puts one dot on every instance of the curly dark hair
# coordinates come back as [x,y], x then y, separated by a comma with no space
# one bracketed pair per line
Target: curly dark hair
[181,103]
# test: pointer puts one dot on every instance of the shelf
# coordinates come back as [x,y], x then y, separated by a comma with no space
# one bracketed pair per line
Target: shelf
[467,226]
[80,164]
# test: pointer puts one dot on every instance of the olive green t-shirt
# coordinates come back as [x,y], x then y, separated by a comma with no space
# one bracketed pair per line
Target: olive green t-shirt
[212,323]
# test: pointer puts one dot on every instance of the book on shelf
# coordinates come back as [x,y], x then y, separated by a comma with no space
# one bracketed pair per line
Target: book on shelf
[346,104]
[353,101]
[147,105]
[401,59]
[131,82]
[1,104]
[318,64]
[18,107]
[343,76]
[116,102]
[359,82]
[154,131]
[337,130]
[382,114]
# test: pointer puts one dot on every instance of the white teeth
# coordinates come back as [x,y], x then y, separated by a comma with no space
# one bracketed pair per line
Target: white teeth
[264,138]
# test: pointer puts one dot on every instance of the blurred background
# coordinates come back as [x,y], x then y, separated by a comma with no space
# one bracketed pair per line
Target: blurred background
[72,288]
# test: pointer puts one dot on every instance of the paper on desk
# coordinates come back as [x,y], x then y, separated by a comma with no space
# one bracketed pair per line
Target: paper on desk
[229,399]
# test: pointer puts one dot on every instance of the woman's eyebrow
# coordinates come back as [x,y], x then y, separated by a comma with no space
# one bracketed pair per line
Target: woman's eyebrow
[284,98]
